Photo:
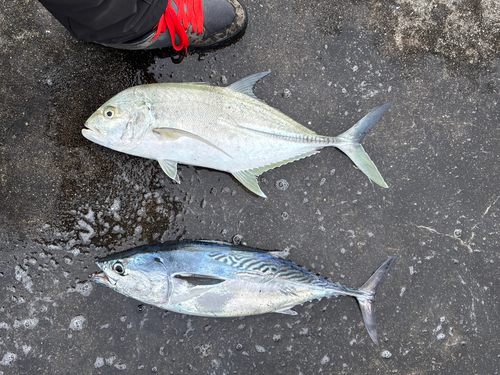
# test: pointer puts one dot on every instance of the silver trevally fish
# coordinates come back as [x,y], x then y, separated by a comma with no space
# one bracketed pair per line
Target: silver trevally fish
[223,128]
[217,279]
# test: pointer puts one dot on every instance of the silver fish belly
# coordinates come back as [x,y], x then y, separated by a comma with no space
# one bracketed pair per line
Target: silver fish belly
[222,128]
[216,279]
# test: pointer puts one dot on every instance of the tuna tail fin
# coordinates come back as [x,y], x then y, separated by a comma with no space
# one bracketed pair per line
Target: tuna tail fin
[366,298]
[349,143]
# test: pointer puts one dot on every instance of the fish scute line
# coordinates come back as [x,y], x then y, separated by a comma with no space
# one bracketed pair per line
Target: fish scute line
[290,136]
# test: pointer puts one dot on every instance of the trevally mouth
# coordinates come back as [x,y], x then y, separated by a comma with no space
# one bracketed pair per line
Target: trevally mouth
[91,133]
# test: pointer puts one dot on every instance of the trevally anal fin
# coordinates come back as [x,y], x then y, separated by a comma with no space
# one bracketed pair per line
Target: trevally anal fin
[245,85]
[170,168]
[172,134]
[258,171]
[249,177]
[249,180]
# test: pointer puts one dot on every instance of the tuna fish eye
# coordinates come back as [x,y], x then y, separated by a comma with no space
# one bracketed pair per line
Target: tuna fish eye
[109,113]
[119,268]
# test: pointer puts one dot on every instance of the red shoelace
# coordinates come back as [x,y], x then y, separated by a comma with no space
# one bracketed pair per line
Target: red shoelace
[190,12]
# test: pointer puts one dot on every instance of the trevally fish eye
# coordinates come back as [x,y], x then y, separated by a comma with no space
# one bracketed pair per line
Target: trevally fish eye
[109,112]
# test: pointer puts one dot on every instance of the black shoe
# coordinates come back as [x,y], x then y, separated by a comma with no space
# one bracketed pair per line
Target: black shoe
[224,21]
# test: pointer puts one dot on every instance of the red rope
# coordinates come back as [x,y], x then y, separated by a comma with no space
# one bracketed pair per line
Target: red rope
[190,12]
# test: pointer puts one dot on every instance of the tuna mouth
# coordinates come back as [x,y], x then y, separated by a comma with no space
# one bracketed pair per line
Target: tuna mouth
[101,278]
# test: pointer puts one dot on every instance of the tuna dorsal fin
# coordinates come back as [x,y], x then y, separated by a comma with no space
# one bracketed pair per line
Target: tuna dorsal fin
[287,312]
[283,254]
[170,168]
[172,134]
[199,280]
[245,85]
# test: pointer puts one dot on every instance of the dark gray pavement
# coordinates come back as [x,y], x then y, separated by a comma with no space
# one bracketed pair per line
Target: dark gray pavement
[66,201]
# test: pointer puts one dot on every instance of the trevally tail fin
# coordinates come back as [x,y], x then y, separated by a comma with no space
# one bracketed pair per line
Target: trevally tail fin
[349,143]
[366,297]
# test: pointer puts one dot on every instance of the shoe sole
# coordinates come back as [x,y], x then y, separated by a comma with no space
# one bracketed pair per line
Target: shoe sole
[198,43]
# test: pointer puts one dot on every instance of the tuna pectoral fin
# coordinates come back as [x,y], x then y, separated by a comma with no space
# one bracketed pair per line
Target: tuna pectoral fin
[171,134]
[287,312]
[349,143]
[366,297]
[170,168]
[199,280]
[249,180]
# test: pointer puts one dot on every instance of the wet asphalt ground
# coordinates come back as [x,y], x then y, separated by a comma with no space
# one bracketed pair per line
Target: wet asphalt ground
[66,201]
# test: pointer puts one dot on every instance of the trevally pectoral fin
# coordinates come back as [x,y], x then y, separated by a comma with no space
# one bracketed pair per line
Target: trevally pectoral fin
[170,168]
[287,312]
[245,85]
[249,180]
[172,134]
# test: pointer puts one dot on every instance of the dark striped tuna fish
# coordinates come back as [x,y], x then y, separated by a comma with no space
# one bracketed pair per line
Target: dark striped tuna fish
[221,280]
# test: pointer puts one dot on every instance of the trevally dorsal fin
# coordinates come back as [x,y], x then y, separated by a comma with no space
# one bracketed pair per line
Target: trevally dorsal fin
[172,134]
[170,168]
[245,85]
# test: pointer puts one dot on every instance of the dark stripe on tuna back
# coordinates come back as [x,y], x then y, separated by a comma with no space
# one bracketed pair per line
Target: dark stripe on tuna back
[283,269]
[296,274]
